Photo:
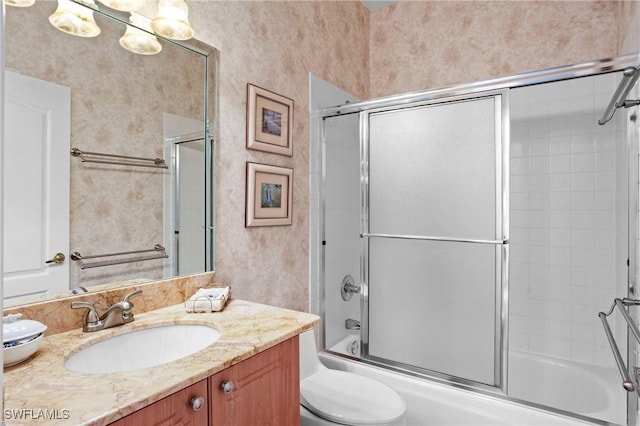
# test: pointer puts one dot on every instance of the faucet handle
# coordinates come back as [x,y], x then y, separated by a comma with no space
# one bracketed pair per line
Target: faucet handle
[126,305]
[130,295]
[91,318]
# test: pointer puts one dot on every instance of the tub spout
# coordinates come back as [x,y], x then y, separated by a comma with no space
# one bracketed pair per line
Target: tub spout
[352,324]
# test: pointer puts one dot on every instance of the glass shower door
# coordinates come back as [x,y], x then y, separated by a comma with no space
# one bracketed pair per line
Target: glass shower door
[434,237]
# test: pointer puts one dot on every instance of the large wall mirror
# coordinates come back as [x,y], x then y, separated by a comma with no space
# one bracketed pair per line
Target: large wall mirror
[67,93]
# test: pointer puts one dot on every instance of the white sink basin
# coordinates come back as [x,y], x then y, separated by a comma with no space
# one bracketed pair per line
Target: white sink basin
[142,348]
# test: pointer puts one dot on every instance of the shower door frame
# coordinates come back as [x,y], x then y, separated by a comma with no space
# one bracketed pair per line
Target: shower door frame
[208,190]
[591,68]
[632,250]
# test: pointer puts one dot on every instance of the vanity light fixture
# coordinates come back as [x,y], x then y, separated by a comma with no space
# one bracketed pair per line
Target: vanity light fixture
[124,5]
[75,19]
[172,20]
[139,38]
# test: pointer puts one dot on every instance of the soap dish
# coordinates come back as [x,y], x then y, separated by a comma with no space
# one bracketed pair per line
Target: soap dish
[21,338]
[13,355]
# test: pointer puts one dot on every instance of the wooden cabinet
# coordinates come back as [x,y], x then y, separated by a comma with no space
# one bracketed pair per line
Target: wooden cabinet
[176,409]
[262,390]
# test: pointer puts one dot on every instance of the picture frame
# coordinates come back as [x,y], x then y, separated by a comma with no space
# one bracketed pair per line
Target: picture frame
[269,195]
[269,121]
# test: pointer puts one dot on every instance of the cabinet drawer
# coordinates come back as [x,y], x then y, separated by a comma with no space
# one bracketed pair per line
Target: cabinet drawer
[175,409]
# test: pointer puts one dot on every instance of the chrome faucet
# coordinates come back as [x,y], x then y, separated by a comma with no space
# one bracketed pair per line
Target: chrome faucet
[117,314]
[351,324]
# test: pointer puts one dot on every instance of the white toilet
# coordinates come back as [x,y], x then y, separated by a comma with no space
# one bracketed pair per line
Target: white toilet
[330,397]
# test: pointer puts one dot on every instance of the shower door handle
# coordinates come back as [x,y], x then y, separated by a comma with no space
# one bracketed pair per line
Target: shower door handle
[503,241]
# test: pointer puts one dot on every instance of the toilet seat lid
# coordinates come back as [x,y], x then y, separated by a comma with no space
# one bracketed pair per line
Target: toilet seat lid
[350,399]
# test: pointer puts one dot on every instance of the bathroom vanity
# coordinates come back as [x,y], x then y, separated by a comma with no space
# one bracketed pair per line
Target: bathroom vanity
[262,390]
[250,375]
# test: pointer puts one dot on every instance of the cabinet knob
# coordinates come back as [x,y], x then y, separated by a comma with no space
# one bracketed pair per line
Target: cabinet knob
[197,402]
[227,387]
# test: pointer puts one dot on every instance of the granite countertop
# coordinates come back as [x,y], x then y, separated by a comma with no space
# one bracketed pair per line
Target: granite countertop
[41,390]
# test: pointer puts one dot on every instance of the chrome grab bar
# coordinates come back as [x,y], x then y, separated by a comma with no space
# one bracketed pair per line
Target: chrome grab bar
[627,382]
[122,160]
[162,254]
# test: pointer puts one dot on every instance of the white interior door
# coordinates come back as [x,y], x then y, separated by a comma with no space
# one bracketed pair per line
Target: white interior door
[36,186]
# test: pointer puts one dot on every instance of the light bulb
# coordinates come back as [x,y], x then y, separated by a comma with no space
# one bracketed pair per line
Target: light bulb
[138,41]
[124,5]
[75,19]
[172,20]
[19,3]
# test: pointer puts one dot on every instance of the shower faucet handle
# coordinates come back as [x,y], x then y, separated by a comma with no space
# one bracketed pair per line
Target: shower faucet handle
[351,288]
[348,288]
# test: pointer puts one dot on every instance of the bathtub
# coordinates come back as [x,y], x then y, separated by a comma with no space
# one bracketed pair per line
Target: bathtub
[431,403]
[590,390]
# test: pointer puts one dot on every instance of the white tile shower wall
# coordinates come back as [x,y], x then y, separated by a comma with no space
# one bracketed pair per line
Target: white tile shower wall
[565,195]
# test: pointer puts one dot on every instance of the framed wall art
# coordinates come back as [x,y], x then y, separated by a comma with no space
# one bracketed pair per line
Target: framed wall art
[269,121]
[269,195]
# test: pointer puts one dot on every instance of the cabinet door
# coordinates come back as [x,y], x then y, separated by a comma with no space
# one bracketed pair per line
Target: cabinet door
[265,389]
[173,410]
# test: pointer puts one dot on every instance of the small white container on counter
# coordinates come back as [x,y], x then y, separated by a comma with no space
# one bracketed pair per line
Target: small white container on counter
[21,338]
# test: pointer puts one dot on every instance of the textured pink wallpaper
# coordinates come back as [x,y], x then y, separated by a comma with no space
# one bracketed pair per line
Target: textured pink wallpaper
[412,45]
[409,46]
[629,27]
[417,45]
[275,45]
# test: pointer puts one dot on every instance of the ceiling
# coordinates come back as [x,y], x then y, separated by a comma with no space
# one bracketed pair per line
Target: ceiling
[377,4]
